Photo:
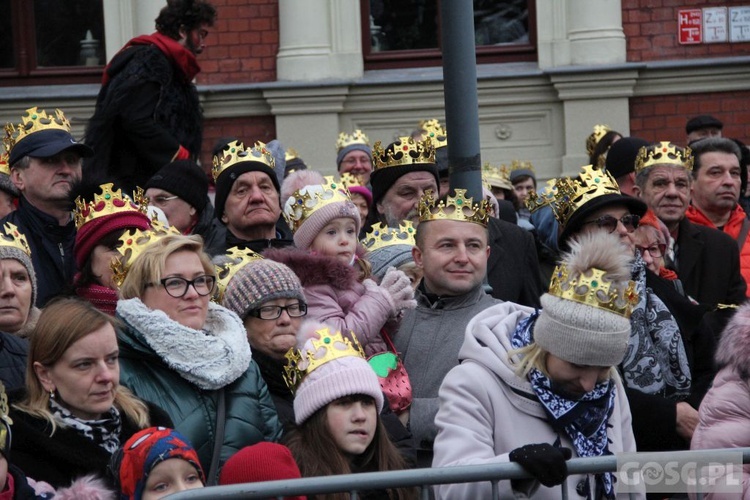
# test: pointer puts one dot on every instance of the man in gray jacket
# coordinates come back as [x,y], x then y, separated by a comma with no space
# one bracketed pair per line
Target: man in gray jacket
[452,250]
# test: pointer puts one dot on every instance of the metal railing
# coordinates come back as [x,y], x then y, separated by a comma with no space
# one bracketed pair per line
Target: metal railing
[425,478]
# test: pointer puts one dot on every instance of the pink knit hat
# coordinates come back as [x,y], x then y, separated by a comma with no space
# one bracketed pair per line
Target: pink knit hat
[311,208]
[347,372]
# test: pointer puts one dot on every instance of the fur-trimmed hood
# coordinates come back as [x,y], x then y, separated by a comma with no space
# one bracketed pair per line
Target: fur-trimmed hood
[313,269]
[734,346]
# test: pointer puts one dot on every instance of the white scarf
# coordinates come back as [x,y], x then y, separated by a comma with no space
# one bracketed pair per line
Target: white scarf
[210,358]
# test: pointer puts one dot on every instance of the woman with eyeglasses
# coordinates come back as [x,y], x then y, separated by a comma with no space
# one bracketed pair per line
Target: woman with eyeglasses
[663,375]
[190,355]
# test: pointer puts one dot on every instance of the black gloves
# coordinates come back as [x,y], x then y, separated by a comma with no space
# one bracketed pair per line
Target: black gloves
[543,461]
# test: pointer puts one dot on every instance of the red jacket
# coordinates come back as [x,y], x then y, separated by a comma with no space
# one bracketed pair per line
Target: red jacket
[732,228]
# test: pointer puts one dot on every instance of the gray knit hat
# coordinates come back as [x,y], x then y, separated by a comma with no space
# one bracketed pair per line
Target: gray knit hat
[585,315]
[259,282]
[11,242]
[391,256]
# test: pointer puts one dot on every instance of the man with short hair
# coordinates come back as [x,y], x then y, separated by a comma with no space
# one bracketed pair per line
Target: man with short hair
[706,260]
[700,127]
[147,112]
[452,253]
[716,191]
[45,160]
[247,197]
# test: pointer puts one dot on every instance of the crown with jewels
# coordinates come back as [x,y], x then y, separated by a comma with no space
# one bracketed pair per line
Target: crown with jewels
[596,136]
[496,176]
[332,346]
[535,201]
[357,137]
[305,201]
[108,203]
[456,207]
[595,289]
[4,165]
[405,151]
[520,165]
[237,258]
[348,179]
[12,237]
[235,152]
[436,132]
[664,153]
[132,243]
[35,121]
[381,236]
[572,193]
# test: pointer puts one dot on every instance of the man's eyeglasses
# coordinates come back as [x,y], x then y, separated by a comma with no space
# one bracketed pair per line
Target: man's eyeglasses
[177,287]
[160,201]
[656,250]
[609,223]
[274,312]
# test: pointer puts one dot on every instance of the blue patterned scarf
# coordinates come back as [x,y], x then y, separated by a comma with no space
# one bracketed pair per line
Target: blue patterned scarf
[584,421]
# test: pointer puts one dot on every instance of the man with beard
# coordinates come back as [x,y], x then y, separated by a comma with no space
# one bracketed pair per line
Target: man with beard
[147,113]
[716,191]
[44,161]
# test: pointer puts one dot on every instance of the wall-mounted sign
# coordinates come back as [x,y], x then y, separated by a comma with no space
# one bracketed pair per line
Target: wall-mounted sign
[739,24]
[690,26]
[715,25]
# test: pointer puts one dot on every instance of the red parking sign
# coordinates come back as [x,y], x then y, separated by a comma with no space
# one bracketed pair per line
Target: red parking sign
[690,26]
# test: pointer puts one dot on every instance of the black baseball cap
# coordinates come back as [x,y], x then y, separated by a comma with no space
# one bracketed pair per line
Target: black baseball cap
[46,143]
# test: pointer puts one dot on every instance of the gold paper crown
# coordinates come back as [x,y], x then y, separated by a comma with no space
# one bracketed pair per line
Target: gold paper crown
[108,203]
[358,137]
[237,259]
[572,193]
[593,288]
[593,139]
[664,153]
[381,236]
[520,165]
[535,201]
[5,417]
[34,121]
[405,151]
[498,177]
[14,238]
[133,243]
[235,152]
[456,207]
[436,132]
[290,154]
[348,179]
[332,345]
[305,201]
[4,166]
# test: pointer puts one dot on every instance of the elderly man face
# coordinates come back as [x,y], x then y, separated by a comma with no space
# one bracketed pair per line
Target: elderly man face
[402,199]
[666,192]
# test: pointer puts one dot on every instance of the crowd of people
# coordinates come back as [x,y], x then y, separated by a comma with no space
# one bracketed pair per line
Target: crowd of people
[154,339]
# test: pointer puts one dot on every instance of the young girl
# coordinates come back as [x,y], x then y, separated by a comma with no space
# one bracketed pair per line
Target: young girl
[156,462]
[335,277]
[336,409]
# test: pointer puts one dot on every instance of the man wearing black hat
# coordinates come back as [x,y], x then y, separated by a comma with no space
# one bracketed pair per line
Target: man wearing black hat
[44,161]
[621,162]
[247,197]
[703,126]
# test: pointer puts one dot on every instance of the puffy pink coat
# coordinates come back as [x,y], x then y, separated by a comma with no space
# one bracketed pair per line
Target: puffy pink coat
[725,411]
[336,297]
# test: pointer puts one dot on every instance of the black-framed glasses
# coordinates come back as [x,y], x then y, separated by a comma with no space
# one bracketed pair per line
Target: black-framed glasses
[274,312]
[609,223]
[655,251]
[177,287]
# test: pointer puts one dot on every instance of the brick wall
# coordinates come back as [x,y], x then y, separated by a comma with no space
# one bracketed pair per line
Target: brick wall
[650,28]
[242,46]
[657,118]
[249,130]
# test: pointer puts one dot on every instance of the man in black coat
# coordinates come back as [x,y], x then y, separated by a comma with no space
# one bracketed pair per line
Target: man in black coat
[147,112]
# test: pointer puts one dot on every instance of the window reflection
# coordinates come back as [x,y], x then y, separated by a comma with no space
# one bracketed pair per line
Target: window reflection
[61,32]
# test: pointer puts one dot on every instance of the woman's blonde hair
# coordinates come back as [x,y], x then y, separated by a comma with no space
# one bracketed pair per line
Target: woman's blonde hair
[147,268]
[534,356]
[62,323]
